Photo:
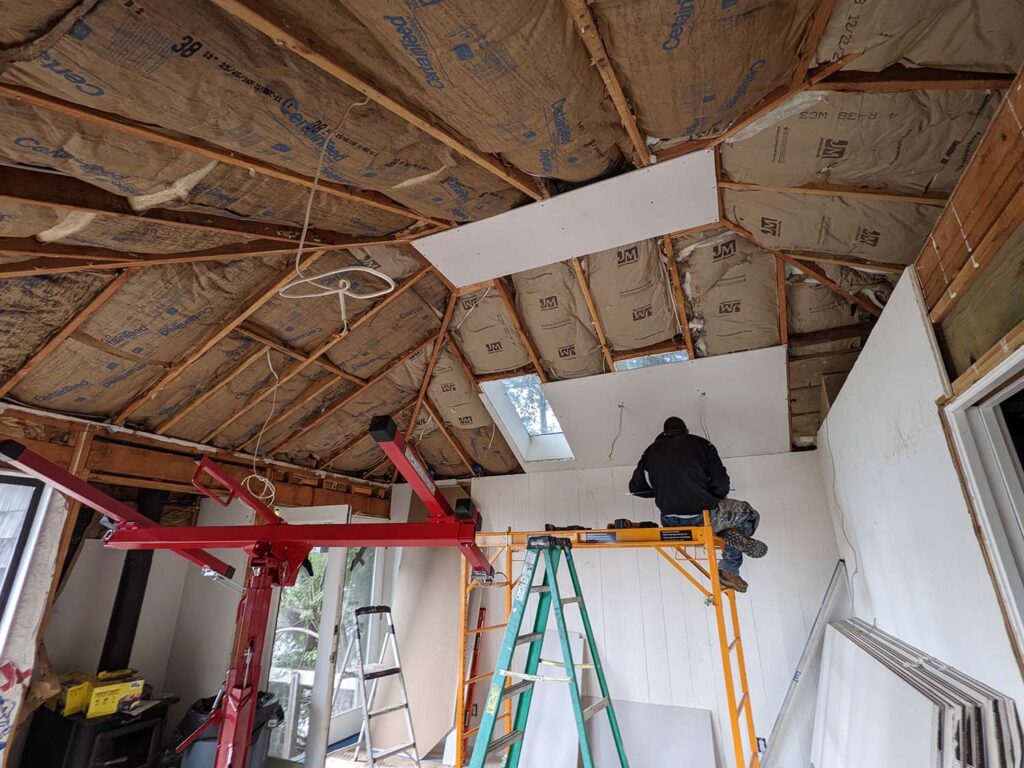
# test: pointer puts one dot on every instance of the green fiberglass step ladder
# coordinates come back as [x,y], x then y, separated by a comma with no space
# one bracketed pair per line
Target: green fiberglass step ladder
[550,549]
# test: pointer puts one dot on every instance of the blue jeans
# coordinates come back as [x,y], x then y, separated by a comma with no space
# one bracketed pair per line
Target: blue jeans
[730,513]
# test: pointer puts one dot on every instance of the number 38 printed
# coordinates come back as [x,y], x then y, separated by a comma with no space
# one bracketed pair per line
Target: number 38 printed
[187,47]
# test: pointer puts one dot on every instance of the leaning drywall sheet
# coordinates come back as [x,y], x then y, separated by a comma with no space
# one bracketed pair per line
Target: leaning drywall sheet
[655,735]
[555,313]
[981,35]
[910,141]
[270,102]
[867,715]
[631,290]
[526,91]
[690,68]
[732,292]
[551,739]
[872,230]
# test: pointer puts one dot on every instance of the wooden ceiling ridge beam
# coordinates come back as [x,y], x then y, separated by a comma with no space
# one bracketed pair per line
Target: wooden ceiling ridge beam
[839,333]
[679,298]
[595,319]
[77,320]
[863,266]
[319,418]
[464,457]
[808,270]
[395,413]
[517,321]
[268,293]
[196,146]
[297,354]
[898,78]
[589,32]
[309,47]
[233,373]
[323,349]
[833,190]
[52,190]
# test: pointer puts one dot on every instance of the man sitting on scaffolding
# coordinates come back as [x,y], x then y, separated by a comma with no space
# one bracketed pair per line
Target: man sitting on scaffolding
[684,475]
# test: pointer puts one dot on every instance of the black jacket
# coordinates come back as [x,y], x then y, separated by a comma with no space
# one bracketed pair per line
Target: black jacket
[682,473]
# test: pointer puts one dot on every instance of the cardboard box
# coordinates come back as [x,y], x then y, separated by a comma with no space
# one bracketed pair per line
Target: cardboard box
[74,694]
[113,690]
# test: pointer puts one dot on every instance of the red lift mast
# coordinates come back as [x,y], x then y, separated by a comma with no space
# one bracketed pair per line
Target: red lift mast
[276,552]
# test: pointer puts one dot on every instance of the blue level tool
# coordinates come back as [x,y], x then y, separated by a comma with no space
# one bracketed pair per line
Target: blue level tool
[551,548]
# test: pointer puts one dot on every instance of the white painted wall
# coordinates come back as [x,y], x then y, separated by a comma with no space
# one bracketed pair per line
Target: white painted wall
[898,511]
[78,626]
[657,638]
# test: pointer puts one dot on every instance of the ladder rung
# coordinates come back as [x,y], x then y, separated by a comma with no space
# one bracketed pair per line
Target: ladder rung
[753,758]
[596,707]
[505,741]
[573,599]
[481,630]
[387,710]
[540,588]
[530,638]
[515,690]
[478,678]
[373,671]
[743,703]
[734,643]
[394,751]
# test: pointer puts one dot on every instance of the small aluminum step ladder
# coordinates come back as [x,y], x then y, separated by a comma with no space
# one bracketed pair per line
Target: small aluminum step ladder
[550,548]
[388,665]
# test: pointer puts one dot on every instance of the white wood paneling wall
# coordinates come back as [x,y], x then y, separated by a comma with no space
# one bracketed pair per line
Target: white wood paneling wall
[657,638]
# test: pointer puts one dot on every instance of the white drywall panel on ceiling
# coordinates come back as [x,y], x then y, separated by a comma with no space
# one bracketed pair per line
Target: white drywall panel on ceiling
[744,408]
[897,506]
[867,715]
[649,202]
[656,636]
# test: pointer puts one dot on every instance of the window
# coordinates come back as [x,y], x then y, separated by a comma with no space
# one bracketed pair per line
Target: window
[532,407]
[19,502]
[648,361]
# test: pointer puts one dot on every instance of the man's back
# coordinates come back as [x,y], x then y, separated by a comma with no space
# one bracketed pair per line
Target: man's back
[683,473]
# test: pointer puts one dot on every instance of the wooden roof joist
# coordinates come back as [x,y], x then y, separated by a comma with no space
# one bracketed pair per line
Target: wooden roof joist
[395,412]
[309,48]
[198,147]
[297,354]
[832,190]
[52,190]
[898,78]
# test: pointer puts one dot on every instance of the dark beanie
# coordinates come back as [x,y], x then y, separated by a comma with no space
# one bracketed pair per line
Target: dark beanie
[675,424]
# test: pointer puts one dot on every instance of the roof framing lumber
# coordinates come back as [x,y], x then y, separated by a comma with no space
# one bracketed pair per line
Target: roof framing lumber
[236,371]
[464,457]
[595,319]
[463,362]
[858,331]
[319,418]
[76,322]
[863,266]
[898,78]
[809,46]
[297,354]
[832,190]
[679,299]
[662,347]
[783,300]
[323,349]
[198,147]
[364,436]
[308,47]
[808,270]
[586,25]
[52,190]
[517,321]
[269,292]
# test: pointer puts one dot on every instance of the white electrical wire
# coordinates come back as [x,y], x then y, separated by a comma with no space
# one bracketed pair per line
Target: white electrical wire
[611,451]
[703,416]
[266,489]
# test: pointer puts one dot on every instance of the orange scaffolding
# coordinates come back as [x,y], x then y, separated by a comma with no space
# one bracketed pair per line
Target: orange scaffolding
[686,549]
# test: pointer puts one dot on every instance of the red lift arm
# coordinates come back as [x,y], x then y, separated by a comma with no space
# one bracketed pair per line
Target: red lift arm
[276,552]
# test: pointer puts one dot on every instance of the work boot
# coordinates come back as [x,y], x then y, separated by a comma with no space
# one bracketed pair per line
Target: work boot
[742,542]
[732,580]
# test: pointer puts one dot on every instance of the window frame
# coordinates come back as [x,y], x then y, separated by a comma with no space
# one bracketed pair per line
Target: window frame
[14,569]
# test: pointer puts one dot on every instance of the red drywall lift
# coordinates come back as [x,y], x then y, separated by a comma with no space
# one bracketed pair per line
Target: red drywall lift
[276,552]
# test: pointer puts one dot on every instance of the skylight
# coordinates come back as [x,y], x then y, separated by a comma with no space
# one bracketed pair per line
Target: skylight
[532,407]
[651,360]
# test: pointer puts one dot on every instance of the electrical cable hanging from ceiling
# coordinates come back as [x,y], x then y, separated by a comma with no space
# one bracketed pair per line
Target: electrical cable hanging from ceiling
[264,489]
[618,433]
[336,281]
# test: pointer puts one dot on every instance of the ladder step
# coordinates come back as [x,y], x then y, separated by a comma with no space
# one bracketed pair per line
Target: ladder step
[540,588]
[491,628]
[574,599]
[387,710]
[516,689]
[504,742]
[372,671]
[478,678]
[596,707]
[742,704]
[395,751]
[530,638]
[734,643]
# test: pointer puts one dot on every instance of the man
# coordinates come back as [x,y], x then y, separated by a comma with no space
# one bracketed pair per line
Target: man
[685,476]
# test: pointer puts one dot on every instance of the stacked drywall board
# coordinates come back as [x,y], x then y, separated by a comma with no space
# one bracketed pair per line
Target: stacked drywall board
[882,703]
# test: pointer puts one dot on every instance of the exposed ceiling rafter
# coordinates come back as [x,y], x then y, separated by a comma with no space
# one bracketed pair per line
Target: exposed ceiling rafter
[783,300]
[268,293]
[809,46]
[198,147]
[395,413]
[863,266]
[517,321]
[833,190]
[595,319]
[464,457]
[678,298]
[298,354]
[309,48]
